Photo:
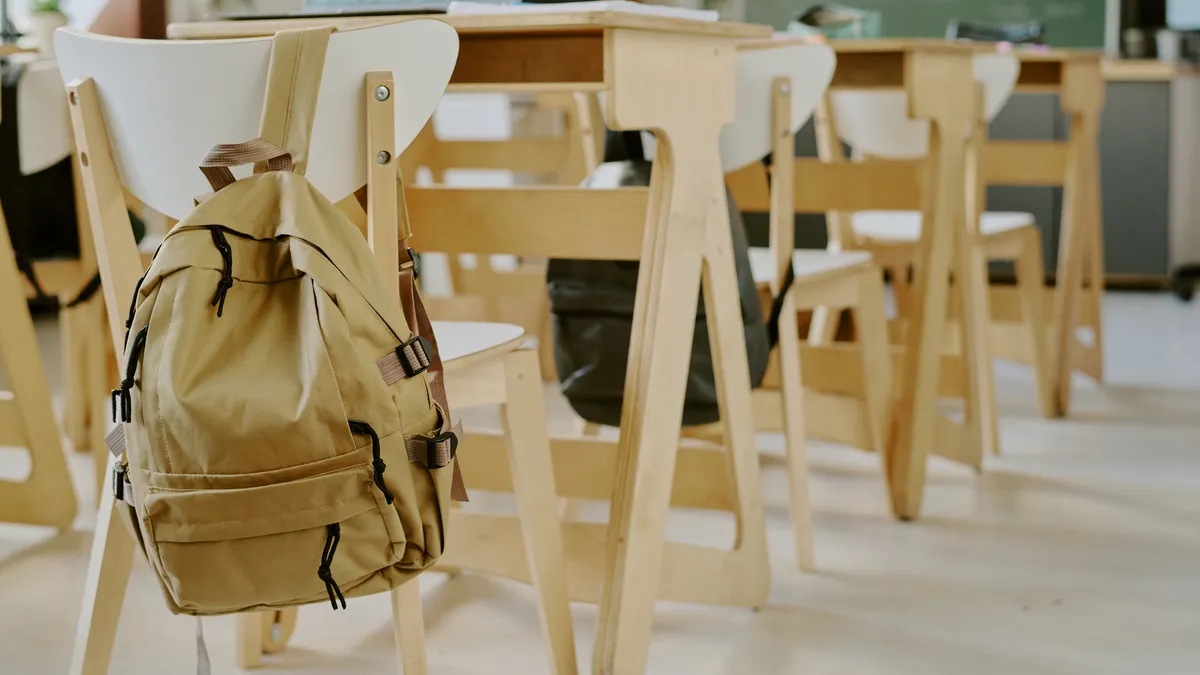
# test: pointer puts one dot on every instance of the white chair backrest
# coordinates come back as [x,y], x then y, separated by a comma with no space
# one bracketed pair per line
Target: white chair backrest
[43,124]
[877,122]
[810,69]
[166,103]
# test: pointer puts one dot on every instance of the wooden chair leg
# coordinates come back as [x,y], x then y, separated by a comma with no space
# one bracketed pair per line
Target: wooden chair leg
[824,326]
[1031,288]
[75,406]
[549,367]
[529,457]
[277,629]
[870,322]
[46,496]
[792,393]
[409,626]
[249,629]
[901,289]
[103,592]
[1095,266]
[568,508]
[97,364]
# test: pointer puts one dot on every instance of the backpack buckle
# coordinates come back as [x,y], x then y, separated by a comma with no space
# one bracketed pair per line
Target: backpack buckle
[414,261]
[441,449]
[122,490]
[118,483]
[415,356]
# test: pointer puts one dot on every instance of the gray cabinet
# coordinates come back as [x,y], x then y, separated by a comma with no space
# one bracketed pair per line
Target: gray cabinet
[1135,174]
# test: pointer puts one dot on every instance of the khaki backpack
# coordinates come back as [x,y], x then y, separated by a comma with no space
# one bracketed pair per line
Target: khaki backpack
[285,426]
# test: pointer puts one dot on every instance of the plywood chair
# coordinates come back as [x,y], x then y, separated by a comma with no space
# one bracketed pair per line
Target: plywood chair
[45,496]
[144,111]
[835,392]
[513,293]
[44,138]
[876,125]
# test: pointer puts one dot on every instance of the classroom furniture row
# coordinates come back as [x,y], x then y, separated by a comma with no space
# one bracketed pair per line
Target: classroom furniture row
[682,78]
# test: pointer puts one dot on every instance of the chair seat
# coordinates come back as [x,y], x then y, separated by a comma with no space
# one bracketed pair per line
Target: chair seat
[458,340]
[905,226]
[806,262]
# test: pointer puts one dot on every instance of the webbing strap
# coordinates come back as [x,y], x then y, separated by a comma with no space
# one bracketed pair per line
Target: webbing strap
[408,360]
[437,450]
[203,665]
[115,440]
[221,157]
[293,82]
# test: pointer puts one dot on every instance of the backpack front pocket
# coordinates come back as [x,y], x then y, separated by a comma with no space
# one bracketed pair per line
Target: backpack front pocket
[291,543]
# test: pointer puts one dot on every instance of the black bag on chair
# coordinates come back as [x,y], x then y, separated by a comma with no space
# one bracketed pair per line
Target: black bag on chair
[591,302]
[39,208]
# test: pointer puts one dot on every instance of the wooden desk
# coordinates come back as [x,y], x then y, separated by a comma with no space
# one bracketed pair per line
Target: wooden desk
[1078,79]
[937,77]
[676,77]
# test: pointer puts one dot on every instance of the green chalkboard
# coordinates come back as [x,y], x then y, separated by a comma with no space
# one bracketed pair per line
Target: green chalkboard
[1069,23]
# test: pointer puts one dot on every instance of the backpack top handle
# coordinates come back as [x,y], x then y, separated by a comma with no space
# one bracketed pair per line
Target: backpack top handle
[289,107]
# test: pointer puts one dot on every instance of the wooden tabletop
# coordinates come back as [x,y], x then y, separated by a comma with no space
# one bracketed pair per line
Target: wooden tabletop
[526,22]
[10,49]
[1145,70]
[906,45]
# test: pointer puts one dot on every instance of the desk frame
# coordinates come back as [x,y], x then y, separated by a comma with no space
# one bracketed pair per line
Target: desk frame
[1074,164]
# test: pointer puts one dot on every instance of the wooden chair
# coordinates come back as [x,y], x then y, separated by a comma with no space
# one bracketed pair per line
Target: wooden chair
[876,125]
[487,291]
[143,112]
[46,496]
[88,370]
[839,392]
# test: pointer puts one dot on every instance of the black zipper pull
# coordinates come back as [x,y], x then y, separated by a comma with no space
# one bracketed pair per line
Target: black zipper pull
[226,282]
[377,465]
[333,535]
[122,395]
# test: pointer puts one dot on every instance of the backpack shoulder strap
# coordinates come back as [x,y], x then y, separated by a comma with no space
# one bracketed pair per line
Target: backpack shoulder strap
[293,83]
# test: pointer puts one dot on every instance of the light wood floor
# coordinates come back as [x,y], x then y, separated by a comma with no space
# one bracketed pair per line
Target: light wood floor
[1076,552]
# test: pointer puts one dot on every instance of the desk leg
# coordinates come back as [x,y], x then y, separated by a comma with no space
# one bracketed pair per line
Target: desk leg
[972,297]
[654,387]
[1079,208]
[933,97]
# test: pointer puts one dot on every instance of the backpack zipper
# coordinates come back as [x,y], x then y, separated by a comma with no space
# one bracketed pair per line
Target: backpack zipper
[122,395]
[226,282]
[133,305]
[333,535]
[377,465]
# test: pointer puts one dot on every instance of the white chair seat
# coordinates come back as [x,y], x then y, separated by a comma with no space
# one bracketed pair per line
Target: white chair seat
[460,339]
[905,226]
[806,262]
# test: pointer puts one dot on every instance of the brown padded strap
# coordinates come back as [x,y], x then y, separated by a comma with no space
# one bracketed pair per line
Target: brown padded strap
[293,83]
[222,156]
[437,379]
